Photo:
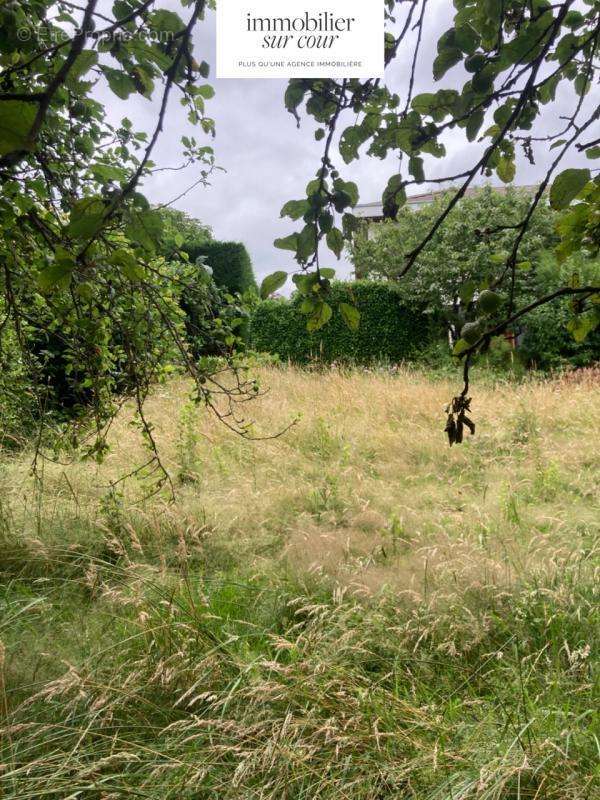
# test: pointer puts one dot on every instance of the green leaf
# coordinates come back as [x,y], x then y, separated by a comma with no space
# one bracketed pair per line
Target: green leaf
[492,10]
[148,54]
[349,190]
[474,124]
[128,263]
[308,305]
[306,282]
[107,172]
[288,243]
[567,186]
[272,282]
[57,274]
[574,19]
[307,243]
[424,103]
[335,241]
[294,94]
[16,119]
[120,83]
[163,20]
[325,221]
[566,48]
[327,272]
[295,209]
[351,316]
[319,134]
[467,38]
[593,152]
[445,60]
[476,62]
[86,217]
[54,276]
[460,347]
[82,64]
[121,9]
[394,196]
[583,84]
[85,291]
[206,91]
[144,228]
[320,317]
[506,169]
[582,325]
[350,224]
[351,140]
[547,91]
[467,291]
[483,82]
[415,167]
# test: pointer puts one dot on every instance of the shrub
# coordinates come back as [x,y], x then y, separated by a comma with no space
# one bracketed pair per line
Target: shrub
[203,304]
[547,344]
[16,399]
[388,331]
[230,263]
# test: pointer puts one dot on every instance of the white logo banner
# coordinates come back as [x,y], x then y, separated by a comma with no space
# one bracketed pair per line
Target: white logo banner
[300,39]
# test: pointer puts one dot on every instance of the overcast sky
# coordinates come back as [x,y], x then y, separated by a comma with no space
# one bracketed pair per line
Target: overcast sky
[269,161]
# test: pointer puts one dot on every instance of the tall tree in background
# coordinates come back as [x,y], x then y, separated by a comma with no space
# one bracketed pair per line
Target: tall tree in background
[181,232]
[515,56]
[456,262]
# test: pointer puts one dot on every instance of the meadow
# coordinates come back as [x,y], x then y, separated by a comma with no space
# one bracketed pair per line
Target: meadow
[349,610]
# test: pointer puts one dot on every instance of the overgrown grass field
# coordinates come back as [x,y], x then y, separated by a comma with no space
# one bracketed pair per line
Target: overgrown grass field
[351,610]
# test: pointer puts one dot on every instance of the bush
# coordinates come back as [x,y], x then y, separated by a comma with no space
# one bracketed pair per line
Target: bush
[202,305]
[389,330]
[547,344]
[16,397]
[230,263]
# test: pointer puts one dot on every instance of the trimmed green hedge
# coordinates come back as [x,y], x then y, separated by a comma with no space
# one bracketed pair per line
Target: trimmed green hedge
[388,331]
[230,263]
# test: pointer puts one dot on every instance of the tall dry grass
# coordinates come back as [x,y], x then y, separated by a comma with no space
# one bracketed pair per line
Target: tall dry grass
[350,610]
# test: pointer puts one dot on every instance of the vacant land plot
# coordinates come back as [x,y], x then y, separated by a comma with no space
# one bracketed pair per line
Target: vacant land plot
[349,610]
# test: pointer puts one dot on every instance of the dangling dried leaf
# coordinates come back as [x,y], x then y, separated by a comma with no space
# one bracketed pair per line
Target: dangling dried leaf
[457,419]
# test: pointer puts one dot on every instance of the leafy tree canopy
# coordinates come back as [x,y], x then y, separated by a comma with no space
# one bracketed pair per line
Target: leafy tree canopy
[454,267]
[87,291]
[180,232]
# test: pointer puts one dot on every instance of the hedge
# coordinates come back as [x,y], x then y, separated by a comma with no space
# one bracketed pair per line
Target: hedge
[389,331]
[230,263]
[547,344]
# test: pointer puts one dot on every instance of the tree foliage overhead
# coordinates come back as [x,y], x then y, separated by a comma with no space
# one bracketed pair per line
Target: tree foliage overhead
[495,77]
[85,272]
